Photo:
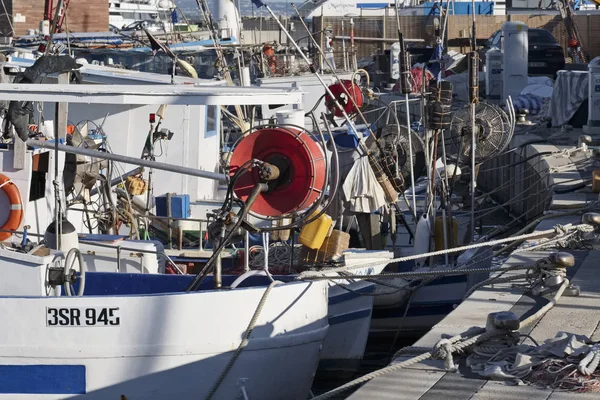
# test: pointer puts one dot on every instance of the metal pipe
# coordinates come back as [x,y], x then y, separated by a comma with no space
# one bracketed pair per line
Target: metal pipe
[169,220]
[344,55]
[118,258]
[218,273]
[473,174]
[445,235]
[246,251]
[369,39]
[129,160]
[243,213]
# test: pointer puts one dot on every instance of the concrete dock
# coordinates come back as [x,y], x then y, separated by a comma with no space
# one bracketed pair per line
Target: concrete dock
[564,186]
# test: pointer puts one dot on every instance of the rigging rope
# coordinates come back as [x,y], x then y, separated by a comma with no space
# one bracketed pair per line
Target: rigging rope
[244,342]
[313,274]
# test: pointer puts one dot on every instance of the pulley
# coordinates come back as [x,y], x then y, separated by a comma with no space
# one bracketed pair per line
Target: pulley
[301,168]
[341,96]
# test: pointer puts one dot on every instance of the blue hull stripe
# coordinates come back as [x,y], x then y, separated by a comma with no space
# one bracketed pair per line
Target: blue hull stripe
[347,296]
[42,379]
[372,5]
[414,311]
[340,319]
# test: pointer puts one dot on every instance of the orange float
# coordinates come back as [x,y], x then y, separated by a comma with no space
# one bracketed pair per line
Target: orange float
[270,54]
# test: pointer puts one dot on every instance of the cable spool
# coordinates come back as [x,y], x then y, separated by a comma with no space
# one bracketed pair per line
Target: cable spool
[301,164]
[341,96]
[493,133]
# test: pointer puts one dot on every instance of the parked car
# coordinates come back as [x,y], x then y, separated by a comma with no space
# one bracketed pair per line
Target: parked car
[138,26]
[546,56]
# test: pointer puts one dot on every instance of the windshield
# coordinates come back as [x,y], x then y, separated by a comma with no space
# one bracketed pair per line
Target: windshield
[133,25]
[540,36]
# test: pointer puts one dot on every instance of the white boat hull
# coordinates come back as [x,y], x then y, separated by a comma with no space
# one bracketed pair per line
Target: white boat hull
[350,318]
[430,303]
[165,346]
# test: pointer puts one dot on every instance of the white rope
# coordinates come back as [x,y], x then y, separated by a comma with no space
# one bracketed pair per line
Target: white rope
[436,253]
[563,240]
[565,153]
[588,365]
[265,238]
[244,342]
[6,183]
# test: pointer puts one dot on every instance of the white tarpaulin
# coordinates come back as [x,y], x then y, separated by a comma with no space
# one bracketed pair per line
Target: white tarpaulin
[361,190]
[570,90]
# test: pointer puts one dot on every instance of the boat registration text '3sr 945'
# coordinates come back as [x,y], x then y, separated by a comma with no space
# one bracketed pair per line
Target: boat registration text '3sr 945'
[82,316]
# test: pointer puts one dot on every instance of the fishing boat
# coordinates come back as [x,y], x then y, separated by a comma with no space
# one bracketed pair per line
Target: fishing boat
[350,311]
[142,331]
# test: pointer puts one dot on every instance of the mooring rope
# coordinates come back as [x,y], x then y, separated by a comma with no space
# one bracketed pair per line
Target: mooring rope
[446,347]
[244,342]
[313,274]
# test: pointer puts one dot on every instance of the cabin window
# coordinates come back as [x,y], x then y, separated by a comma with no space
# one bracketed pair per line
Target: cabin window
[212,121]
[39,173]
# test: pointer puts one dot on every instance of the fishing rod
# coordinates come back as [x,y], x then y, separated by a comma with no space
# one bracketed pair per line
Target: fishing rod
[406,88]
[473,100]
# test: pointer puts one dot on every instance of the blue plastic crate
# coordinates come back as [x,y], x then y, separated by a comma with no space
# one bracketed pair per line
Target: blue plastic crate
[180,206]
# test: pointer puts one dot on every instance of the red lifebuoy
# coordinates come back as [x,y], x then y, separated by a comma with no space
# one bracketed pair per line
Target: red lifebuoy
[342,97]
[15,217]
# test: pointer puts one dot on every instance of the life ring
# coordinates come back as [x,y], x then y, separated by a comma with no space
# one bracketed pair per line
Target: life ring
[15,217]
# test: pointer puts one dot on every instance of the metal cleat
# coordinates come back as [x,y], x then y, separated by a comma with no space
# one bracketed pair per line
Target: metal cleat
[522,114]
[502,320]
[561,259]
[591,218]
[553,281]
[583,142]
[572,291]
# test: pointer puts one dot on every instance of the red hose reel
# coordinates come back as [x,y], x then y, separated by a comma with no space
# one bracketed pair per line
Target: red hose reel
[341,96]
[299,159]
